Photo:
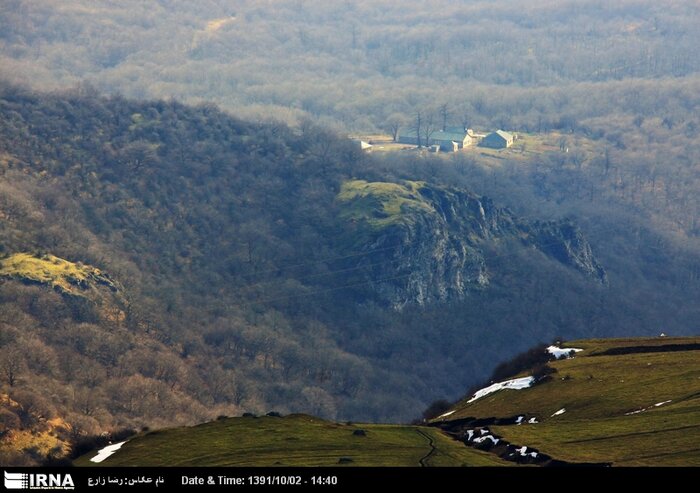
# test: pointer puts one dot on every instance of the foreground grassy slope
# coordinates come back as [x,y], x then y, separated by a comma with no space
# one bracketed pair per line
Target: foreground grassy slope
[296,440]
[630,402]
[640,408]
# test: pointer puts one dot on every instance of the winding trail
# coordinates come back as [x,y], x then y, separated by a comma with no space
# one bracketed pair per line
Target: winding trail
[423,461]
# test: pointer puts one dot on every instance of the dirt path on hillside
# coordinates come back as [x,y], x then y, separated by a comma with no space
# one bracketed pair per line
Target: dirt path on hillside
[423,461]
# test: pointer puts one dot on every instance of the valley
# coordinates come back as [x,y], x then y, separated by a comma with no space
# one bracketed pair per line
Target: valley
[142,256]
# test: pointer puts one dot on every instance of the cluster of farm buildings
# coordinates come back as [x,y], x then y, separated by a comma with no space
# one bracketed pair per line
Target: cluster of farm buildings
[449,139]
[452,139]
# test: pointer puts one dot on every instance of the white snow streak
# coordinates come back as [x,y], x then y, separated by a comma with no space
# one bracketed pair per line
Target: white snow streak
[658,404]
[515,384]
[446,414]
[102,454]
[560,411]
[558,352]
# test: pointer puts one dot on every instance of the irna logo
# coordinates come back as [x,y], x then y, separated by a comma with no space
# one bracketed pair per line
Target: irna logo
[25,481]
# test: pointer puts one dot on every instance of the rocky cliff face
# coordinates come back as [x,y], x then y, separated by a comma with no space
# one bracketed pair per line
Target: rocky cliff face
[426,242]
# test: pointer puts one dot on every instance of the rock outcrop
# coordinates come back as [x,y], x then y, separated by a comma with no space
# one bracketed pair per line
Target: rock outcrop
[427,241]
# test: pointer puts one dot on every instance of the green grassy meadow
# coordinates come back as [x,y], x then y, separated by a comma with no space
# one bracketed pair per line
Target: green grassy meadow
[640,409]
[295,440]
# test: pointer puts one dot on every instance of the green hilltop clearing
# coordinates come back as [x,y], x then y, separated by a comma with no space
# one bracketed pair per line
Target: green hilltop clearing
[628,402]
[381,204]
[295,440]
[64,276]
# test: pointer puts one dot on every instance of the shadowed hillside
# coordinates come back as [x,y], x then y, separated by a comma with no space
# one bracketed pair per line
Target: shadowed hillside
[163,264]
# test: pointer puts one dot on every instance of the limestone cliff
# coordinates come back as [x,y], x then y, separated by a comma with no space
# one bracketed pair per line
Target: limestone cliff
[427,241]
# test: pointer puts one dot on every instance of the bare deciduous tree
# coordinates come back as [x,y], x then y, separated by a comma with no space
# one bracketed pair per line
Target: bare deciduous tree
[429,128]
[444,115]
[417,126]
[393,125]
[11,364]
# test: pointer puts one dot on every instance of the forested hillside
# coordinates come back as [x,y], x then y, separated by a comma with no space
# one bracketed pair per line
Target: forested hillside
[229,287]
[624,74]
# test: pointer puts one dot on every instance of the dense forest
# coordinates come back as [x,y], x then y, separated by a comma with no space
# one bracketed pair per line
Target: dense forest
[625,74]
[354,64]
[195,156]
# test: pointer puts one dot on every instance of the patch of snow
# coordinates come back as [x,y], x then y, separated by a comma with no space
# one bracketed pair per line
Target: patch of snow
[658,404]
[102,454]
[519,420]
[560,411]
[532,421]
[484,431]
[487,437]
[524,453]
[515,384]
[446,414]
[470,434]
[558,352]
